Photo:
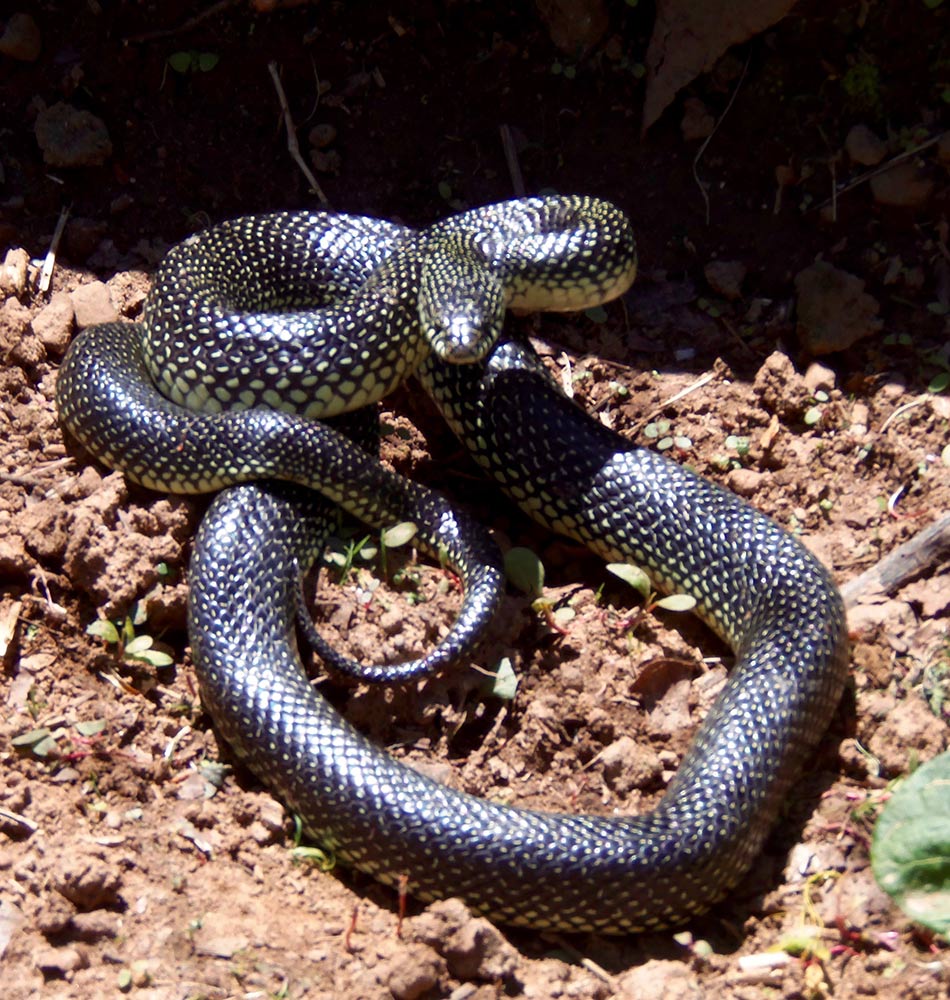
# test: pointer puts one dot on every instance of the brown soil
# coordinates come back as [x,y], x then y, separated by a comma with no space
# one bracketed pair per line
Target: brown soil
[130,861]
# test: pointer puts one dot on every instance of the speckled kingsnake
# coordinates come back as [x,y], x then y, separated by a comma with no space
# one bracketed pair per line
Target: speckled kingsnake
[755,584]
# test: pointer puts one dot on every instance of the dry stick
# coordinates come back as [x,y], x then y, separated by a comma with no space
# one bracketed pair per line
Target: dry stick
[46,274]
[192,22]
[708,139]
[511,158]
[883,168]
[292,147]
[919,401]
[927,548]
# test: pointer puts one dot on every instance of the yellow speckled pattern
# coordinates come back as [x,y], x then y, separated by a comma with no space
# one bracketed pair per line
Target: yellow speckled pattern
[757,586]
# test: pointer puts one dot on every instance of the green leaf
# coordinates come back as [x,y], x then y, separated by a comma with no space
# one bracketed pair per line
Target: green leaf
[207,61]
[138,645]
[324,860]
[31,737]
[524,570]
[564,616]
[676,602]
[103,629]
[596,314]
[155,658]
[181,62]
[128,630]
[39,742]
[812,416]
[398,534]
[90,727]
[504,682]
[636,577]
[910,852]
[939,382]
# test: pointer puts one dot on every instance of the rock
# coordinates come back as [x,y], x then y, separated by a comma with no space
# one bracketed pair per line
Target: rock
[95,926]
[627,765]
[781,389]
[326,161]
[819,377]
[69,137]
[93,304]
[744,482]
[860,415]
[13,276]
[575,26]
[14,559]
[908,732]
[14,328]
[834,311]
[906,185]
[472,947]
[60,963]
[322,135]
[413,973]
[53,324]
[697,121]
[725,278]
[669,979]
[864,147]
[21,39]
[88,882]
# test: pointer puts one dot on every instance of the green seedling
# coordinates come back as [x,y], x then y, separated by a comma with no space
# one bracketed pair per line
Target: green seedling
[43,742]
[394,538]
[190,61]
[640,581]
[342,555]
[525,571]
[130,646]
[662,432]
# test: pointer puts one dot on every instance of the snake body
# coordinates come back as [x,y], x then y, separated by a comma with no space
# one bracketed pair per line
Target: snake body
[755,584]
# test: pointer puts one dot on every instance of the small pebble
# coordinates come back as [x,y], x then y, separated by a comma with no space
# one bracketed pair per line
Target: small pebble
[13,276]
[93,304]
[906,185]
[21,39]
[725,278]
[322,135]
[819,377]
[864,146]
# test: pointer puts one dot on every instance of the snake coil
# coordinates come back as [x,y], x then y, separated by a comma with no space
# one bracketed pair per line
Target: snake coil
[755,584]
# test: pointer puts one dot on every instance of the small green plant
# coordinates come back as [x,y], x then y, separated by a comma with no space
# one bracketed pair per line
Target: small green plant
[191,61]
[129,645]
[862,86]
[526,572]
[910,852]
[640,581]
[44,742]
[815,412]
[661,431]
[740,446]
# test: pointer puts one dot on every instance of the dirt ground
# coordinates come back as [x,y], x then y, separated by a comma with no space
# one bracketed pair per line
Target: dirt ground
[131,859]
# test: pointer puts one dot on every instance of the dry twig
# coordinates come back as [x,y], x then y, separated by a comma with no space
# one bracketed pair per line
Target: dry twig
[708,139]
[46,274]
[292,145]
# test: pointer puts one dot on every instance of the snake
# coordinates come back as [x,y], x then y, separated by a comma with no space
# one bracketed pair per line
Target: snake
[755,584]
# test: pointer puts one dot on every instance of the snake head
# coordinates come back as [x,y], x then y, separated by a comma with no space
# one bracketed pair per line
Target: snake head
[461,305]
